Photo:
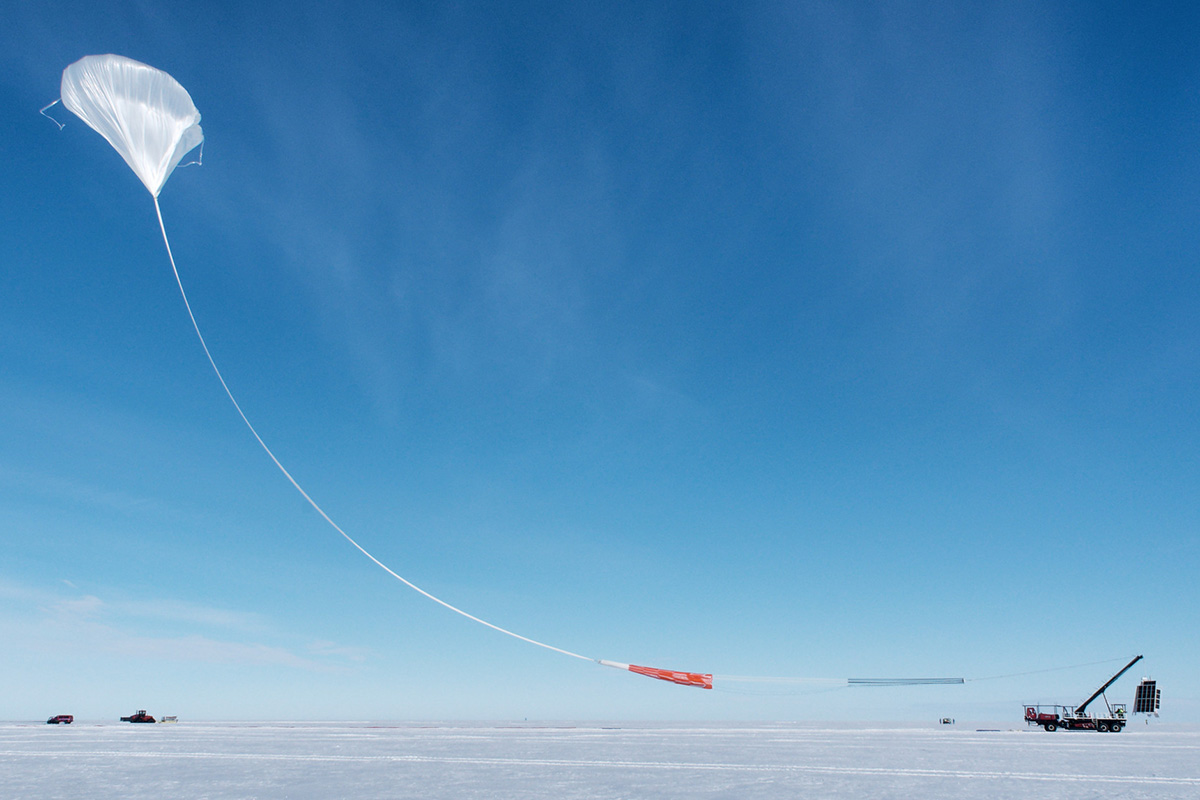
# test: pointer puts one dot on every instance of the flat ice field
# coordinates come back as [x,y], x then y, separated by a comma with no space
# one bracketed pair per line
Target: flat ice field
[366,760]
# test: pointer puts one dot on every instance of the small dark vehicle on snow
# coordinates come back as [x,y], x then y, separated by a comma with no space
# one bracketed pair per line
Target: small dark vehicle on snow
[60,719]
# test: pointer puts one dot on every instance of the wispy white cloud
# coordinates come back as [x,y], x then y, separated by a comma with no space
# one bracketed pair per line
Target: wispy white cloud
[333,650]
[184,613]
[86,625]
[36,484]
[77,608]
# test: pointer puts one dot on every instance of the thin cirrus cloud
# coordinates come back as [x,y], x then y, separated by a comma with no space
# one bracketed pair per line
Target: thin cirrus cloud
[88,625]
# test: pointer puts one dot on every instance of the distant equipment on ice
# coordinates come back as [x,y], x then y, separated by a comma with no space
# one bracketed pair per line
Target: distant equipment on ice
[140,716]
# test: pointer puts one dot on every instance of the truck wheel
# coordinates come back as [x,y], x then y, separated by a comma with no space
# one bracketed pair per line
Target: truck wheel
[1116,727]
[1102,727]
[1050,727]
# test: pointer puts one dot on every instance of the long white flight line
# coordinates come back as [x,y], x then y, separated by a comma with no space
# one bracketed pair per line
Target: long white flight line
[305,494]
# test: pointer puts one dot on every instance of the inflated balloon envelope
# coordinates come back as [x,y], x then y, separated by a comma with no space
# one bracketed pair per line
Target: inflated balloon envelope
[143,113]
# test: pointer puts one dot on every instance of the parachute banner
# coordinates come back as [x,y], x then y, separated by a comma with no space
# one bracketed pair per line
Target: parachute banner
[699,680]
[150,119]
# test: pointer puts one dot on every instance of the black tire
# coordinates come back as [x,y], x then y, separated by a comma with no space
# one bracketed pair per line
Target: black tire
[1102,727]
[1116,727]
[1050,727]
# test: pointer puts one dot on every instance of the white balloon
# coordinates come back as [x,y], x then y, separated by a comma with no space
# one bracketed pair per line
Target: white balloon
[143,112]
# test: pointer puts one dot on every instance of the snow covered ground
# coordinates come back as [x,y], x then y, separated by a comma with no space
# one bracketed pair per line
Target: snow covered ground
[591,760]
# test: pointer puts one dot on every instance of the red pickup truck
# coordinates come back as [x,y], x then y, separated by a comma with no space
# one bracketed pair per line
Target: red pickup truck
[61,719]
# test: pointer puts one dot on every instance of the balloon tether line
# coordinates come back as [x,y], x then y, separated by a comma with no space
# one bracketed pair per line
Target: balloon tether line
[305,494]
[690,679]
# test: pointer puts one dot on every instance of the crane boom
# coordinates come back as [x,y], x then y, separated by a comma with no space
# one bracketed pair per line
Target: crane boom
[1083,706]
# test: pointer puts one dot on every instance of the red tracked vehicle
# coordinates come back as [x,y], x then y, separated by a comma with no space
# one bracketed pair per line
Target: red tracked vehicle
[140,716]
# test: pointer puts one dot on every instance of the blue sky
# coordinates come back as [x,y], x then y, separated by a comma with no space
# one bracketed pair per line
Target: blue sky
[784,339]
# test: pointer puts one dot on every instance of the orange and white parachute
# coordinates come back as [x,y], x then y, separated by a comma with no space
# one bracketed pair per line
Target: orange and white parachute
[698,679]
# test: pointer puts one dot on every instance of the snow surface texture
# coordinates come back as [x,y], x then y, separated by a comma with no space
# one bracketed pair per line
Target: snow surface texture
[364,760]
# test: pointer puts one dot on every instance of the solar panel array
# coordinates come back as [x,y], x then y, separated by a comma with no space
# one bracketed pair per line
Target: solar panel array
[1146,700]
